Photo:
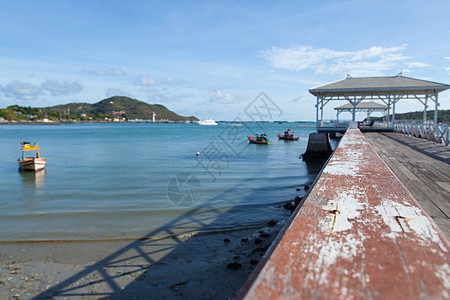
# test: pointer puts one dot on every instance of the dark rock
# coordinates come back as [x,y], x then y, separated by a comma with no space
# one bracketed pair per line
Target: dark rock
[307,187]
[244,240]
[258,241]
[234,266]
[272,223]
[288,206]
[264,235]
[226,240]
[236,257]
[298,190]
[253,262]
[173,286]
[260,249]
[298,200]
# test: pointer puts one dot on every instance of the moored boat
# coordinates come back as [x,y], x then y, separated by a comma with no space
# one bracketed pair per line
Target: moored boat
[33,162]
[288,136]
[259,139]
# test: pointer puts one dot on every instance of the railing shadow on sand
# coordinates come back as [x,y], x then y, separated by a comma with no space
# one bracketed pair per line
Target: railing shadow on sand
[137,269]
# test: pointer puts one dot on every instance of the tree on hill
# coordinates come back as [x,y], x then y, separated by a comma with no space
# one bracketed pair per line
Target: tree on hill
[135,109]
[113,107]
[443,116]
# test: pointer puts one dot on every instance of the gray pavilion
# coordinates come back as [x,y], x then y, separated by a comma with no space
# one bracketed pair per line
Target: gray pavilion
[387,89]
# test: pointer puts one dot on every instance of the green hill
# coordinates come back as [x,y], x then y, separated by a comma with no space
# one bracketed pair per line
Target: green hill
[116,106]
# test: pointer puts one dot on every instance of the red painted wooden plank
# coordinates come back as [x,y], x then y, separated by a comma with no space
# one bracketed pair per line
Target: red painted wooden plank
[359,234]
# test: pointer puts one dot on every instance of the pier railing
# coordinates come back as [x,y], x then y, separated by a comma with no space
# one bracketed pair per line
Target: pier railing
[439,133]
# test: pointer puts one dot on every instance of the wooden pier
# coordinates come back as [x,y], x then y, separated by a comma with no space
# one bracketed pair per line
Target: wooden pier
[423,167]
[360,233]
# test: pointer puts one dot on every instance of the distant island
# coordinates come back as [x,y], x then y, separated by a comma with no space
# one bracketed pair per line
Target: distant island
[113,109]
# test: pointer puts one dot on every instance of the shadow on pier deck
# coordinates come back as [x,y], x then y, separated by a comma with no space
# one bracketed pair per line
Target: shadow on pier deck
[359,233]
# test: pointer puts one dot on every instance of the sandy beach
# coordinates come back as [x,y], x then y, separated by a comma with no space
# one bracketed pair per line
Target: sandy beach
[203,266]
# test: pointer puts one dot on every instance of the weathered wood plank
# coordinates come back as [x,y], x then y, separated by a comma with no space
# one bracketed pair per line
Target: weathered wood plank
[359,234]
[445,186]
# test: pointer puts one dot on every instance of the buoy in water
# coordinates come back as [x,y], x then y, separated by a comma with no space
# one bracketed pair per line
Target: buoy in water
[198,153]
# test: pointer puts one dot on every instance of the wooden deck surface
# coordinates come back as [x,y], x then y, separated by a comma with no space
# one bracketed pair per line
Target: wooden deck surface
[423,167]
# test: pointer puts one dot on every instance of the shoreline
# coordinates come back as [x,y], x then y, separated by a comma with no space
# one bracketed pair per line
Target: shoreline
[199,266]
[88,122]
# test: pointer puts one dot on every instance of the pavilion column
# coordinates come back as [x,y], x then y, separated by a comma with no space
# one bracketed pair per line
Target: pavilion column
[354,110]
[436,104]
[425,110]
[388,110]
[321,112]
[393,111]
[436,125]
[317,114]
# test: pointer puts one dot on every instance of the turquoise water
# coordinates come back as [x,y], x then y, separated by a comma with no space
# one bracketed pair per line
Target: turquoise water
[117,181]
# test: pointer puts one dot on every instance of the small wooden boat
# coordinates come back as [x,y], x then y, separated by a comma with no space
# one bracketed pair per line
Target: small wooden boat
[33,162]
[288,136]
[259,139]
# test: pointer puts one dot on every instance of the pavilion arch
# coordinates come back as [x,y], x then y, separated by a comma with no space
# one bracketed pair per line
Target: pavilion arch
[388,89]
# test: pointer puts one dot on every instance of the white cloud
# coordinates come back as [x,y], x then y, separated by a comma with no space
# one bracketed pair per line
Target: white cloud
[164,97]
[144,82]
[117,92]
[447,68]
[302,98]
[21,90]
[106,71]
[375,60]
[176,82]
[219,96]
[57,88]
[417,65]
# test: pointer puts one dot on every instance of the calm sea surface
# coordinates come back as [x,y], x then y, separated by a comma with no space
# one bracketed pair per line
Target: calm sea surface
[118,181]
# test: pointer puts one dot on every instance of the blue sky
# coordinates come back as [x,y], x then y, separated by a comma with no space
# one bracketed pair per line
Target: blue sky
[212,58]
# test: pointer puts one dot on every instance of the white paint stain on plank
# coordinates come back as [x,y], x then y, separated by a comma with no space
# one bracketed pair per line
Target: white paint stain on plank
[407,218]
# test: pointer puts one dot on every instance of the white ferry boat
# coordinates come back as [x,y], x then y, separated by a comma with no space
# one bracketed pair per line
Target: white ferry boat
[207,122]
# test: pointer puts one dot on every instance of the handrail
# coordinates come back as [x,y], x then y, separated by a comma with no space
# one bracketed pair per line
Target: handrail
[439,133]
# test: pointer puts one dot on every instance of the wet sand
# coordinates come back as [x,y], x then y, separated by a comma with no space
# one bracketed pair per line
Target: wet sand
[204,266]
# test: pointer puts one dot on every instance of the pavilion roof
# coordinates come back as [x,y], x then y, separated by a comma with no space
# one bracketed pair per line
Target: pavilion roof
[363,105]
[362,86]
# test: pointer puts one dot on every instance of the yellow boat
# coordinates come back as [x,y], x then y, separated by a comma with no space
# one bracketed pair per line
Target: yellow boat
[34,162]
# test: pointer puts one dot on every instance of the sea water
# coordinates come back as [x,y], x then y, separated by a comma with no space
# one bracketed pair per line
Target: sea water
[127,181]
